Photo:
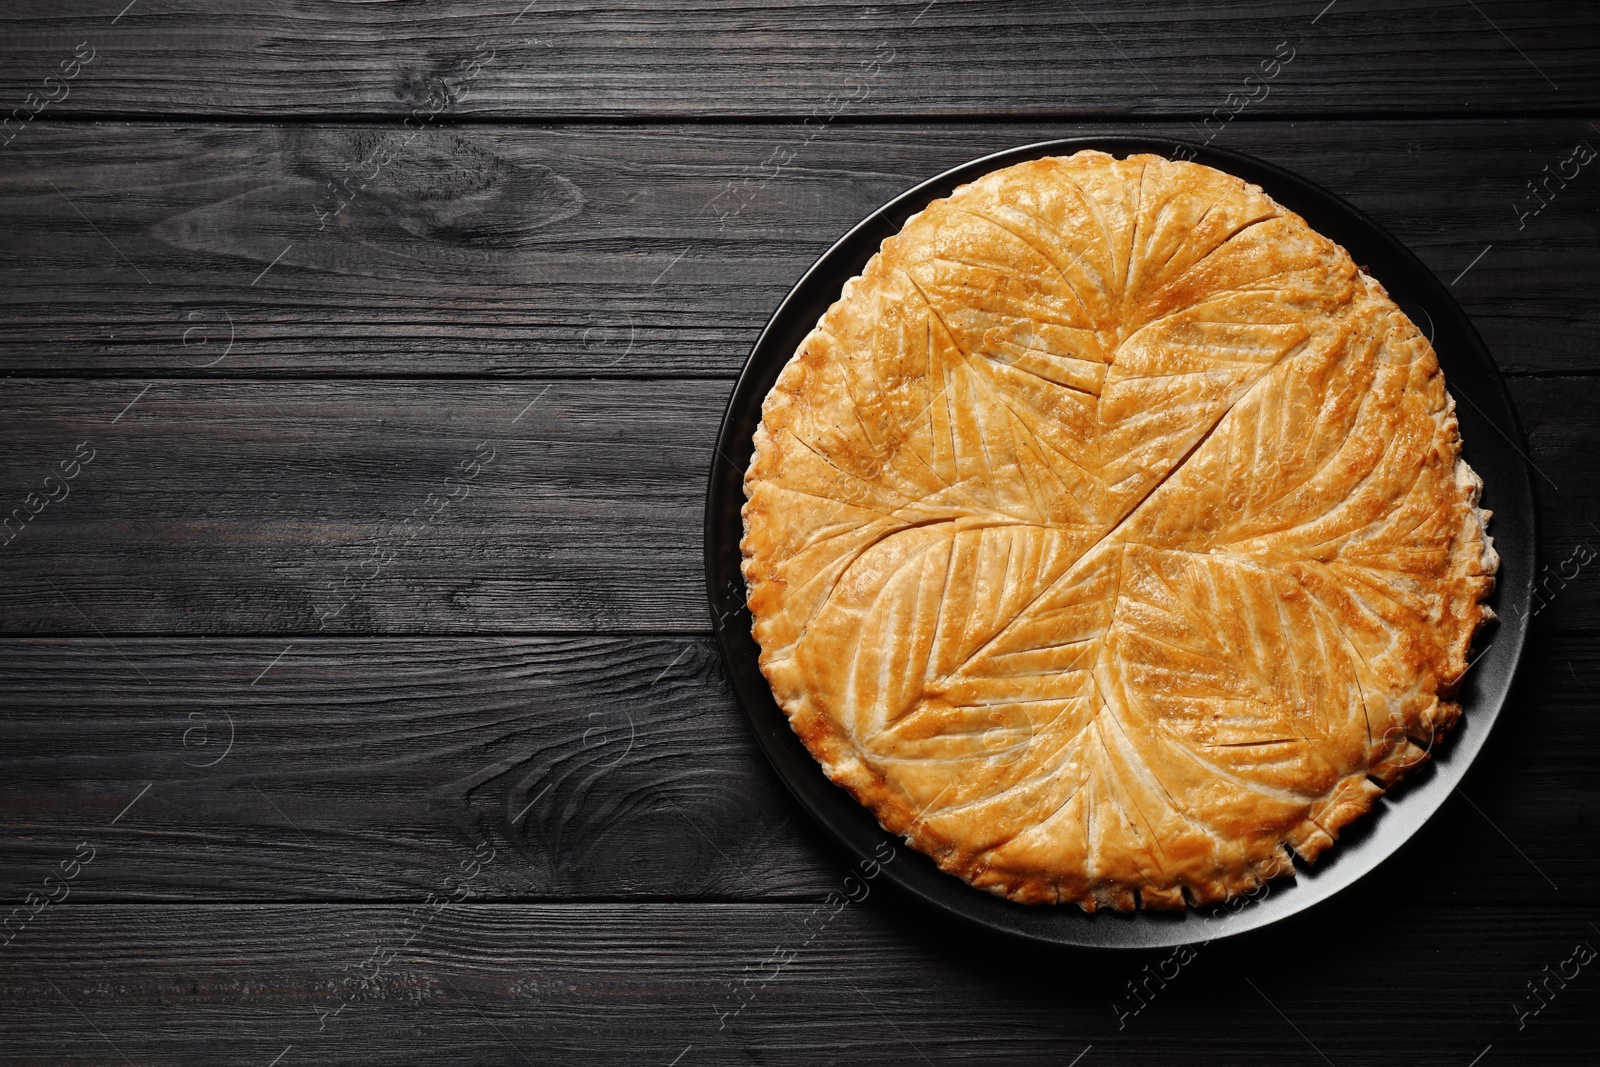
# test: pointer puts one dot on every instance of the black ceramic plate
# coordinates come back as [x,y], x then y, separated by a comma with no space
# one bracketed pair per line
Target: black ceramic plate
[1493,445]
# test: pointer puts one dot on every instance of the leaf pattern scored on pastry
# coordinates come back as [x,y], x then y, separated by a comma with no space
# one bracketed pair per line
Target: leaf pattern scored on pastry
[1110,534]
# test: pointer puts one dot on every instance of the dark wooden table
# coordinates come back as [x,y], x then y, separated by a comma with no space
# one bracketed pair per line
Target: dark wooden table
[362,366]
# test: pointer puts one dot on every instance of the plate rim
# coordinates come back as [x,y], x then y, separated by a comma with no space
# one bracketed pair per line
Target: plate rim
[1141,929]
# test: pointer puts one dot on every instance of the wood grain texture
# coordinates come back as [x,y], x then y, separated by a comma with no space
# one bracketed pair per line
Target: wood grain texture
[627,251]
[236,507]
[344,507]
[882,980]
[404,497]
[726,57]
[597,768]
[368,770]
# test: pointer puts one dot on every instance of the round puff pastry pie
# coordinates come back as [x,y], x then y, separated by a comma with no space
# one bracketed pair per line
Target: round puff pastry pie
[1110,537]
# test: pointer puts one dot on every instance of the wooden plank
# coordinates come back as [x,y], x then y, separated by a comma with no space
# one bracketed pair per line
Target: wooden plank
[359,769]
[399,507]
[652,983]
[343,250]
[217,507]
[1561,419]
[569,58]
[596,768]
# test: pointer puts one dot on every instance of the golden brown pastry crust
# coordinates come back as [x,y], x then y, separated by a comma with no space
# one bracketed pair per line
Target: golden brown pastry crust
[1110,533]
